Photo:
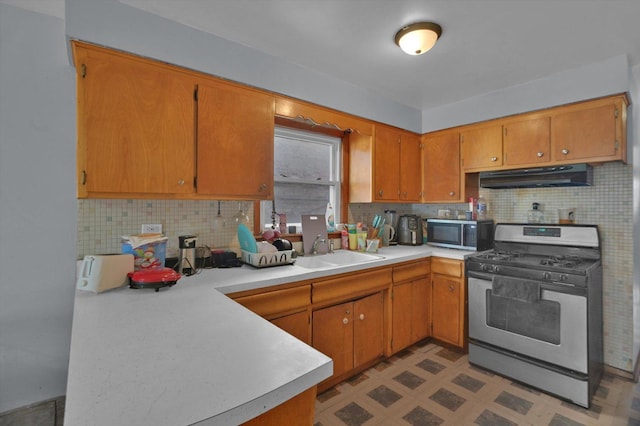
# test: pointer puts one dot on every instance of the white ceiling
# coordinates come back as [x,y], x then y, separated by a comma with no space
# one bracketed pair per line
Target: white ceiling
[486,45]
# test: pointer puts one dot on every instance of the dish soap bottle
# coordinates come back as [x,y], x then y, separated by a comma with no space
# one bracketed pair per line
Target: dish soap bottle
[329,215]
[535,214]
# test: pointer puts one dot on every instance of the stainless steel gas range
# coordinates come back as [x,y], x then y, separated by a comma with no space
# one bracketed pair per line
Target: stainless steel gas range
[535,308]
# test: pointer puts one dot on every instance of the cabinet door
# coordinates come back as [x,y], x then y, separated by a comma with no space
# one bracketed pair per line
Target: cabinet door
[135,125]
[481,147]
[295,324]
[333,335]
[402,316]
[235,142]
[420,309]
[367,329]
[441,175]
[527,142]
[446,307]
[410,167]
[587,134]
[387,162]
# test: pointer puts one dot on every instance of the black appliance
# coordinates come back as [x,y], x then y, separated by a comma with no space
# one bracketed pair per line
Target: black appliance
[410,230]
[460,234]
[539,177]
[535,308]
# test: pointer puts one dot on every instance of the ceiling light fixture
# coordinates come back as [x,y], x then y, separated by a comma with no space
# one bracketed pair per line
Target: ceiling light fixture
[415,39]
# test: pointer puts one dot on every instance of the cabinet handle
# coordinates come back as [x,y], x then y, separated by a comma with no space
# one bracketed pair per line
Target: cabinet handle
[181,182]
[540,154]
[361,317]
[380,193]
[565,151]
[494,158]
[451,194]
[451,288]
[84,177]
[262,187]
[345,320]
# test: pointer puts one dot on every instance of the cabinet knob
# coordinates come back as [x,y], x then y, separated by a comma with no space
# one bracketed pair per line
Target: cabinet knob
[347,312]
[540,154]
[380,193]
[494,158]
[181,182]
[565,151]
[451,194]
[361,317]
[262,187]
[451,288]
[345,320]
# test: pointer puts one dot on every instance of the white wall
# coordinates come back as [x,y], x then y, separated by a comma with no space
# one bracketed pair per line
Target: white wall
[595,80]
[37,207]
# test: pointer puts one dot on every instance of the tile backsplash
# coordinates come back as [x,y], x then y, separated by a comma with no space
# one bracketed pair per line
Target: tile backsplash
[608,203]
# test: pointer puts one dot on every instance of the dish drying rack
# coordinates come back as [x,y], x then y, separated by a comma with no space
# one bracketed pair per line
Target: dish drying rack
[265,260]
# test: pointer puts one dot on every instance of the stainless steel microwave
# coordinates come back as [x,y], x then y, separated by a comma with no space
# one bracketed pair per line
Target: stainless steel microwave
[460,234]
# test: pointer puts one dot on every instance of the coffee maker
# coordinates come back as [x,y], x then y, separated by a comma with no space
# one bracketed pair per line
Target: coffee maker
[187,254]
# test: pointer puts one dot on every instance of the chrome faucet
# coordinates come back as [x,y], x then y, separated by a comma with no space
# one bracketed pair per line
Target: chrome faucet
[319,240]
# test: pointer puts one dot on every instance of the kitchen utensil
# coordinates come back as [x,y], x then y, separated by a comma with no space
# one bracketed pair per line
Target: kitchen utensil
[100,273]
[218,221]
[155,279]
[282,244]
[312,226]
[187,254]
[246,239]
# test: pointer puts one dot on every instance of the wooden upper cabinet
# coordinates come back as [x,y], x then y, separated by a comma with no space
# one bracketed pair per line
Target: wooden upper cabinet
[590,131]
[481,147]
[397,165]
[441,180]
[135,125]
[386,164]
[410,167]
[526,142]
[235,142]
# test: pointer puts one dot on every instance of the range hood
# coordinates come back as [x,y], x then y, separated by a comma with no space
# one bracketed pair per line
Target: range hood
[539,177]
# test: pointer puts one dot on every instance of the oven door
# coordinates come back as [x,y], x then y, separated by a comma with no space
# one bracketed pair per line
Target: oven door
[552,328]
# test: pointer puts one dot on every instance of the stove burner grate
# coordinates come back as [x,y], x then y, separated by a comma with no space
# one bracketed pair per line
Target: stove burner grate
[561,261]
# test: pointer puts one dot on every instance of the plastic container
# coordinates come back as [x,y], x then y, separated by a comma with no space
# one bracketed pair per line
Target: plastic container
[535,215]
[330,217]
[482,208]
[149,256]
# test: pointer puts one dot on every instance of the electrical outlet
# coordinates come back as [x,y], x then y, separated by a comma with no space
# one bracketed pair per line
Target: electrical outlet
[152,228]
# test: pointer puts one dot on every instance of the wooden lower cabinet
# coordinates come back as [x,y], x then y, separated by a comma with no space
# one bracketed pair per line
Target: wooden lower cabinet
[448,297]
[286,308]
[298,325]
[299,410]
[410,305]
[350,333]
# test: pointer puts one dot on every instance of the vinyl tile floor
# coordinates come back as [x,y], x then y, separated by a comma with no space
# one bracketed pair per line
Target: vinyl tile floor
[427,384]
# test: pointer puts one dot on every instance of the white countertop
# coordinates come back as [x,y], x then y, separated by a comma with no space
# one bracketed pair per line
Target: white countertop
[189,354]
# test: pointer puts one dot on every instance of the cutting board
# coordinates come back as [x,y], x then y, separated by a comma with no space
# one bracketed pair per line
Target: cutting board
[312,226]
[103,272]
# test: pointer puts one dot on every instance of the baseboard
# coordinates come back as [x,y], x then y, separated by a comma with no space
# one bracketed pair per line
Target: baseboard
[48,412]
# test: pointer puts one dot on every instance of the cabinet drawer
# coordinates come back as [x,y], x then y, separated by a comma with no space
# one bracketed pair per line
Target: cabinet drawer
[410,272]
[449,267]
[350,286]
[276,301]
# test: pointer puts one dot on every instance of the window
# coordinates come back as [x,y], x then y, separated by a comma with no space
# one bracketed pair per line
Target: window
[306,175]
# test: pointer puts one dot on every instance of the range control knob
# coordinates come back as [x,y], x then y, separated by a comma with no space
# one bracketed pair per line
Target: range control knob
[546,275]
[563,277]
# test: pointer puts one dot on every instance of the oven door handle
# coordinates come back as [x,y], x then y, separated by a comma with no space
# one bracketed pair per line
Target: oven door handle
[480,275]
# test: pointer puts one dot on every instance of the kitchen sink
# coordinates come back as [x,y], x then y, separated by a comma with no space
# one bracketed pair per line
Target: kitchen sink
[336,259]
